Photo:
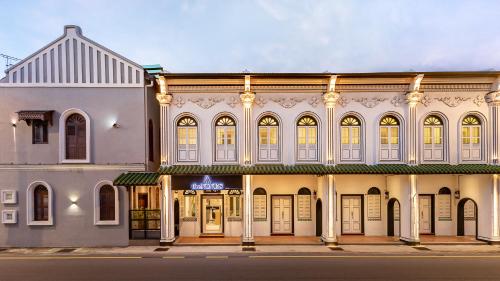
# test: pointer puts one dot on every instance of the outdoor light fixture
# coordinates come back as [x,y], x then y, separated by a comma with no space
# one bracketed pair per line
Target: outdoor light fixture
[457,194]
[116,125]
[14,125]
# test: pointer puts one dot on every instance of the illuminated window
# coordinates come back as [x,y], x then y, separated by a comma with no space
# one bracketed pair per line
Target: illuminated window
[268,139]
[187,139]
[471,138]
[234,204]
[307,139]
[225,132]
[189,204]
[389,139]
[350,132]
[433,138]
[259,204]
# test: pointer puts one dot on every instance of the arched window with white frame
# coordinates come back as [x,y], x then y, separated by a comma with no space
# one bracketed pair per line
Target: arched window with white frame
[433,138]
[268,139]
[350,134]
[39,204]
[471,138]
[307,139]
[225,134]
[187,139]
[74,136]
[106,204]
[389,134]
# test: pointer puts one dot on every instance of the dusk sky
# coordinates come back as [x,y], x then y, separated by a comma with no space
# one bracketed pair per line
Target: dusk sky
[269,36]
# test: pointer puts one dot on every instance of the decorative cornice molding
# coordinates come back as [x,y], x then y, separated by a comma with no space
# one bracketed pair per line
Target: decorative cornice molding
[287,102]
[369,102]
[206,102]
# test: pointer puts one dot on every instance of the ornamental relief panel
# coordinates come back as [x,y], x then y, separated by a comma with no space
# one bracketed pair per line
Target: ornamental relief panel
[454,101]
[369,102]
[287,102]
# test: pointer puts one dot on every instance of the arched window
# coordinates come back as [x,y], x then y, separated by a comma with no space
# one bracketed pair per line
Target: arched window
[304,203]
[41,203]
[151,141]
[471,138]
[225,132]
[433,138]
[389,139]
[374,204]
[444,204]
[307,139]
[259,204]
[187,139]
[268,139]
[350,138]
[76,138]
[106,204]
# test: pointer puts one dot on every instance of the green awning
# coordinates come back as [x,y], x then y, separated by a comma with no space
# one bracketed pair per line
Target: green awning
[340,169]
[137,179]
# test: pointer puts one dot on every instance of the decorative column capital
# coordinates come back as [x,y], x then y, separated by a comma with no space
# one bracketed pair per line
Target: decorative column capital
[330,99]
[492,98]
[164,99]
[247,98]
[414,97]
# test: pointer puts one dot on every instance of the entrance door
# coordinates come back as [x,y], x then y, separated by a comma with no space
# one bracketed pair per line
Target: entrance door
[393,217]
[467,218]
[352,214]
[319,218]
[212,206]
[282,214]
[425,207]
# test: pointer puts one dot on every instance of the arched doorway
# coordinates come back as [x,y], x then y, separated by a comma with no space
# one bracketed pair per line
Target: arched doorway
[319,218]
[176,217]
[393,215]
[467,218]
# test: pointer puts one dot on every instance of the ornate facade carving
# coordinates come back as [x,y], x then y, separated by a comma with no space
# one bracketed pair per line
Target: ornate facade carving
[178,101]
[330,99]
[163,99]
[260,101]
[206,102]
[426,100]
[414,97]
[452,101]
[288,102]
[397,100]
[478,100]
[493,98]
[247,98]
[369,102]
[343,101]
[314,101]
[233,101]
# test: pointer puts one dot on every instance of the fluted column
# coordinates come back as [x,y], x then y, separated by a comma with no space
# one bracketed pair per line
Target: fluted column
[413,97]
[247,99]
[330,100]
[330,235]
[164,99]
[167,212]
[493,101]
[414,212]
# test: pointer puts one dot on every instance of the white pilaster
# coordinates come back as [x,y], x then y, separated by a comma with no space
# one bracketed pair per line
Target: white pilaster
[495,192]
[493,100]
[330,235]
[164,99]
[167,212]
[330,99]
[413,97]
[247,238]
[414,234]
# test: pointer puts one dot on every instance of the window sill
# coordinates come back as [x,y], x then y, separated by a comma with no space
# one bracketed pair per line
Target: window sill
[75,161]
[115,222]
[40,223]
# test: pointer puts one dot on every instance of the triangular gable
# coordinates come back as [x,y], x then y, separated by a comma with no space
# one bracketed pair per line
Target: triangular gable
[73,60]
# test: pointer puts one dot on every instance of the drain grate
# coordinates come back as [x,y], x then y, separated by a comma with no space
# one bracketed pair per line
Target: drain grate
[421,248]
[66,250]
[161,249]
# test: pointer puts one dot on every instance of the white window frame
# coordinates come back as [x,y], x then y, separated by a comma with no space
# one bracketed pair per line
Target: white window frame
[30,204]
[62,136]
[235,198]
[389,146]
[97,205]
[177,145]
[481,144]
[225,146]
[433,146]
[350,145]
[308,147]
[268,146]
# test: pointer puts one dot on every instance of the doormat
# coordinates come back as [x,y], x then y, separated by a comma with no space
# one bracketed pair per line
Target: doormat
[421,248]
[161,249]
[66,250]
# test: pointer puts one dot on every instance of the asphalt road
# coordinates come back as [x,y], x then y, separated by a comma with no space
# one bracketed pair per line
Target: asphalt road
[242,267]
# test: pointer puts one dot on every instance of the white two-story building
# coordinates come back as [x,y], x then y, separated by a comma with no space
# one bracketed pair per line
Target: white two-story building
[100,151]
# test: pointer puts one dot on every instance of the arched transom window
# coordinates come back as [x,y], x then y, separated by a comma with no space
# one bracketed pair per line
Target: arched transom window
[433,138]
[389,139]
[471,138]
[268,139]
[76,138]
[350,138]
[307,139]
[187,139]
[225,131]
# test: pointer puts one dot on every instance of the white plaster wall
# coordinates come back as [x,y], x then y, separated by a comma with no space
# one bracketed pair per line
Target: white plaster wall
[480,188]
[399,188]
[286,185]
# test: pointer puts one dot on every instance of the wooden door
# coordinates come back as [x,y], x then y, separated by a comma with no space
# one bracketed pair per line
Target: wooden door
[282,214]
[351,215]
[425,207]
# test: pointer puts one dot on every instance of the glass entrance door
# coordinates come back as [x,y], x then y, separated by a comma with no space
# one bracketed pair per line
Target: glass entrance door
[213,217]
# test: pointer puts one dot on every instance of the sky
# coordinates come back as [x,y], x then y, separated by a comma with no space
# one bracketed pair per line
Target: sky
[269,35]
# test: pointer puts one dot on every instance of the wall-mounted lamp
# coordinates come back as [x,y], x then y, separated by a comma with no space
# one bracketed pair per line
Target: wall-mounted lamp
[116,125]
[14,125]
[386,193]
[457,194]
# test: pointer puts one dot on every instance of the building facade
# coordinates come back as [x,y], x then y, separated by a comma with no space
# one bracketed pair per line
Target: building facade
[135,153]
